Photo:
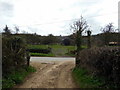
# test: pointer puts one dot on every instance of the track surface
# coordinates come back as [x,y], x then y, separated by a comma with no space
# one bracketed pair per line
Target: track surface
[51,73]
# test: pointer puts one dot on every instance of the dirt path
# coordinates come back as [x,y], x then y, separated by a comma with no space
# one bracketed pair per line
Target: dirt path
[50,75]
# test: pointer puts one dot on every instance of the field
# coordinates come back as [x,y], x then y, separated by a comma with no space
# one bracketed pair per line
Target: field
[56,50]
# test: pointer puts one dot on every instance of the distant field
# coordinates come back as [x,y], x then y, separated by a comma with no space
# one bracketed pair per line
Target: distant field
[57,50]
[51,46]
[37,46]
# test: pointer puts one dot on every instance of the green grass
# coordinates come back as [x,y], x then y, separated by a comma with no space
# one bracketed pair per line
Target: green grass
[69,54]
[52,46]
[37,46]
[42,55]
[84,80]
[16,77]
[57,50]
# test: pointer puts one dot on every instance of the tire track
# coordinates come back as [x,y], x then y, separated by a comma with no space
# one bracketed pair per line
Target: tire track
[50,75]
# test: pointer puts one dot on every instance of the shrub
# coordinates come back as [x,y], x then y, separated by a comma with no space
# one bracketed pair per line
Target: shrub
[42,54]
[30,69]
[17,77]
[103,62]
[66,42]
[7,83]
[84,80]
[13,52]
[45,51]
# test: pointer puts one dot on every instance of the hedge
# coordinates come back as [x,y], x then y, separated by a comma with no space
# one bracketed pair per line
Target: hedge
[45,51]
[103,62]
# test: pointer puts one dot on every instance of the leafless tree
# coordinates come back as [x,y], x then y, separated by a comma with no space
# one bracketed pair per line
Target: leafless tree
[7,30]
[17,29]
[107,30]
[79,26]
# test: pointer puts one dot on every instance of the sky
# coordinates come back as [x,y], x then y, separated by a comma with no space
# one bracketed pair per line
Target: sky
[55,16]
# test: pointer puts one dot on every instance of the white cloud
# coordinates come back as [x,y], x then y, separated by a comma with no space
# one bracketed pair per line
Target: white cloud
[6,12]
[38,15]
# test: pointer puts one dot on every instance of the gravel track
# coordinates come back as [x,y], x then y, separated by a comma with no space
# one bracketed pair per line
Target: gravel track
[50,74]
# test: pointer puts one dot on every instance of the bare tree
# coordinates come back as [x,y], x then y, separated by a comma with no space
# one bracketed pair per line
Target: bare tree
[17,29]
[79,26]
[107,30]
[7,30]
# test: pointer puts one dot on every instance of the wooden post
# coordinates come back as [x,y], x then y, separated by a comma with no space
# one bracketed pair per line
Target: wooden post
[28,58]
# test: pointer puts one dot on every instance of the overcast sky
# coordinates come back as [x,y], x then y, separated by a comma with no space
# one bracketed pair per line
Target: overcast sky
[55,16]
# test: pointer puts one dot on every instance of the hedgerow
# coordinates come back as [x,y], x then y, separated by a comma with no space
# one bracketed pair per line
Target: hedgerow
[14,61]
[103,62]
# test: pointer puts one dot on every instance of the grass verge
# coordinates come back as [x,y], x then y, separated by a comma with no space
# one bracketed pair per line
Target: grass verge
[84,80]
[16,77]
[42,54]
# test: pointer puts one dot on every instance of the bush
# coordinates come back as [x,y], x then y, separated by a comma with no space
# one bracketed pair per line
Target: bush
[66,42]
[84,80]
[45,51]
[43,55]
[16,77]
[103,62]
[30,69]
[7,83]
[13,54]
[13,61]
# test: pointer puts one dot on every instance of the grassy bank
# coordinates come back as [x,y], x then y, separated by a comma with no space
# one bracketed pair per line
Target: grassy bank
[84,80]
[16,77]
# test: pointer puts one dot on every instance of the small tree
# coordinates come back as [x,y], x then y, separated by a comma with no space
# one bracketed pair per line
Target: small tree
[17,29]
[14,49]
[7,30]
[79,26]
[66,41]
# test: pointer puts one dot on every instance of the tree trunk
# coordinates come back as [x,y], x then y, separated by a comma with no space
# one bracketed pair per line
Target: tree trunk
[78,42]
